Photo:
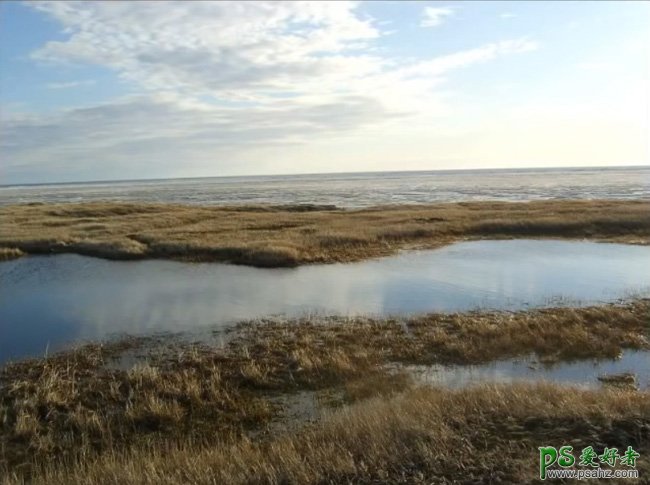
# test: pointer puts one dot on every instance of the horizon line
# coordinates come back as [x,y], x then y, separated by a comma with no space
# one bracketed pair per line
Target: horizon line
[161,179]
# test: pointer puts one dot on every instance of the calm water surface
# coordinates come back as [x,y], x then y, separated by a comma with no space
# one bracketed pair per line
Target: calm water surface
[584,373]
[50,301]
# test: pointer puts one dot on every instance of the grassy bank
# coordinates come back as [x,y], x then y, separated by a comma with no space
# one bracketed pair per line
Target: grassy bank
[193,412]
[294,235]
[481,435]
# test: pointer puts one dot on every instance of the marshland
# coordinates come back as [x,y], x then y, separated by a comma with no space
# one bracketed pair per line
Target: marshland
[291,235]
[195,412]
[323,242]
[326,398]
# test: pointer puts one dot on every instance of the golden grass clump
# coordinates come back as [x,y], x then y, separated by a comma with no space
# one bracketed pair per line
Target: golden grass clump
[10,253]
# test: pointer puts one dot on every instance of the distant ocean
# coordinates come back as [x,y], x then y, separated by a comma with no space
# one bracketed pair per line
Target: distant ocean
[356,189]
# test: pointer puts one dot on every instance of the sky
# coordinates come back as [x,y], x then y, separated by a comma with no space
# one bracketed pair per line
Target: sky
[128,90]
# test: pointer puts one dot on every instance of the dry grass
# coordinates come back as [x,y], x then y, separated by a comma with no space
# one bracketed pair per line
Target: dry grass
[457,338]
[294,235]
[625,380]
[74,407]
[10,253]
[479,435]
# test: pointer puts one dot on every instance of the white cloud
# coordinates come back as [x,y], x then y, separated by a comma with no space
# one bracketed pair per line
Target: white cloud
[507,15]
[218,81]
[71,84]
[250,52]
[441,65]
[232,50]
[136,135]
[434,16]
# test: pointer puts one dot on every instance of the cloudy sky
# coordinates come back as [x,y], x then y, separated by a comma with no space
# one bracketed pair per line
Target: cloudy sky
[125,90]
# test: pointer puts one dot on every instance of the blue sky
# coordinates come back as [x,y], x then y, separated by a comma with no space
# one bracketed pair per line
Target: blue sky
[121,90]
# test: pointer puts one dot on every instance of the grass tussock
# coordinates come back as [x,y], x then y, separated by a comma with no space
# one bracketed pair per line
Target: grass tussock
[479,435]
[10,253]
[195,407]
[301,234]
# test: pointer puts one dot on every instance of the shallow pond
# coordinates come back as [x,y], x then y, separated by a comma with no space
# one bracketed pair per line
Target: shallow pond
[584,373]
[49,301]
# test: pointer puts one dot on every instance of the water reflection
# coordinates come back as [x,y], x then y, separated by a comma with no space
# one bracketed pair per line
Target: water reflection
[584,373]
[51,300]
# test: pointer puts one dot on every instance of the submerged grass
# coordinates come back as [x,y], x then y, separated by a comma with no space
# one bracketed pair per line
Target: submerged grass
[189,412]
[274,236]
